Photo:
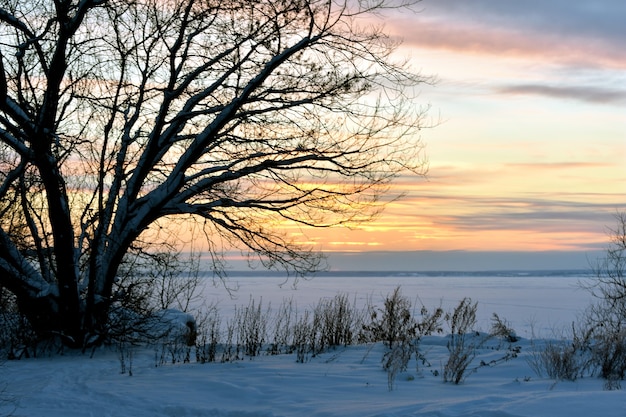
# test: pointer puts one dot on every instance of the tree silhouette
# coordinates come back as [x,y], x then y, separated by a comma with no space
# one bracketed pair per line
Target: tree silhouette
[116,115]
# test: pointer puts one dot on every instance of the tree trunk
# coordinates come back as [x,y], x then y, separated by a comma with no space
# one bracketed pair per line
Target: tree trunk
[65,309]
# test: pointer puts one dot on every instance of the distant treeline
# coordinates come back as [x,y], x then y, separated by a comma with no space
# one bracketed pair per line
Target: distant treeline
[561,273]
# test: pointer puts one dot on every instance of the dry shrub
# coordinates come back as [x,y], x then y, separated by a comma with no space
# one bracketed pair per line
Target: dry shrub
[463,342]
[303,337]
[251,327]
[606,328]
[397,359]
[337,322]
[209,335]
[558,360]
[568,357]
[400,331]
[282,329]
[609,352]
[392,324]
[502,329]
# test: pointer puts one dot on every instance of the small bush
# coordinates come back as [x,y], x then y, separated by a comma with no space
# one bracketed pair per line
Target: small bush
[282,328]
[337,321]
[462,345]
[430,322]
[609,354]
[397,359]
[209,336]
[501,329]
[252,327]
[400,331]
[230,353]
[393,324]
[556,359]
[334,322]
[567,358]
[303,337]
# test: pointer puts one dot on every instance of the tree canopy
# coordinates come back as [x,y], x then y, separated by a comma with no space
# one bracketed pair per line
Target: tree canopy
[237,115]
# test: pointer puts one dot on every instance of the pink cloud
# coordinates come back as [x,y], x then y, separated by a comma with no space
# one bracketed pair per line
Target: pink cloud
[459,37]
[592,94]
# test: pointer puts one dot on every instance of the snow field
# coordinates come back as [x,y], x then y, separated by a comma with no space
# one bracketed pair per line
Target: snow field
[346,381]
[342,382]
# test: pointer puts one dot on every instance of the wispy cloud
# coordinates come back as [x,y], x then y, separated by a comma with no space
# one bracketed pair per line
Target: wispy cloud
[475,222]
[602,19]
[531,214]
[499,208]
[559,165]
[591,94]
[566,32]
[521,223]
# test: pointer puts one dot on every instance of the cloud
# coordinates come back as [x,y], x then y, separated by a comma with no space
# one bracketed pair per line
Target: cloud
[559,165]
[548,214]
[581,93]
[440,220]
[566,32]
[542,213]
[602,20]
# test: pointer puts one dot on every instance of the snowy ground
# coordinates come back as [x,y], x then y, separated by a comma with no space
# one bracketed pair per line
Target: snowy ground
[343,382]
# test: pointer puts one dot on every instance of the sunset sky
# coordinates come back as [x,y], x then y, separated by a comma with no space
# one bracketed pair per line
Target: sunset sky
[529,151]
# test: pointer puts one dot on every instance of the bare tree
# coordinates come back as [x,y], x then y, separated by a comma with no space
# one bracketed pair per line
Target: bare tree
[604,322]
[610,270]
[119,118]
[609,283]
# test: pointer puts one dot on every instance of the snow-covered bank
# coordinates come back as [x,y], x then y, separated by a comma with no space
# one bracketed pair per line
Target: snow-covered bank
[343,382]
[340,382]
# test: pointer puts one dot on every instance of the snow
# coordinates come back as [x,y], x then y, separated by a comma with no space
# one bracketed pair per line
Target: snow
[341,382]
[175,325]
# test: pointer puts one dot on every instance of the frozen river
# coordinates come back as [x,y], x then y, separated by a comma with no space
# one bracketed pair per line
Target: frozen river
[543,303]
